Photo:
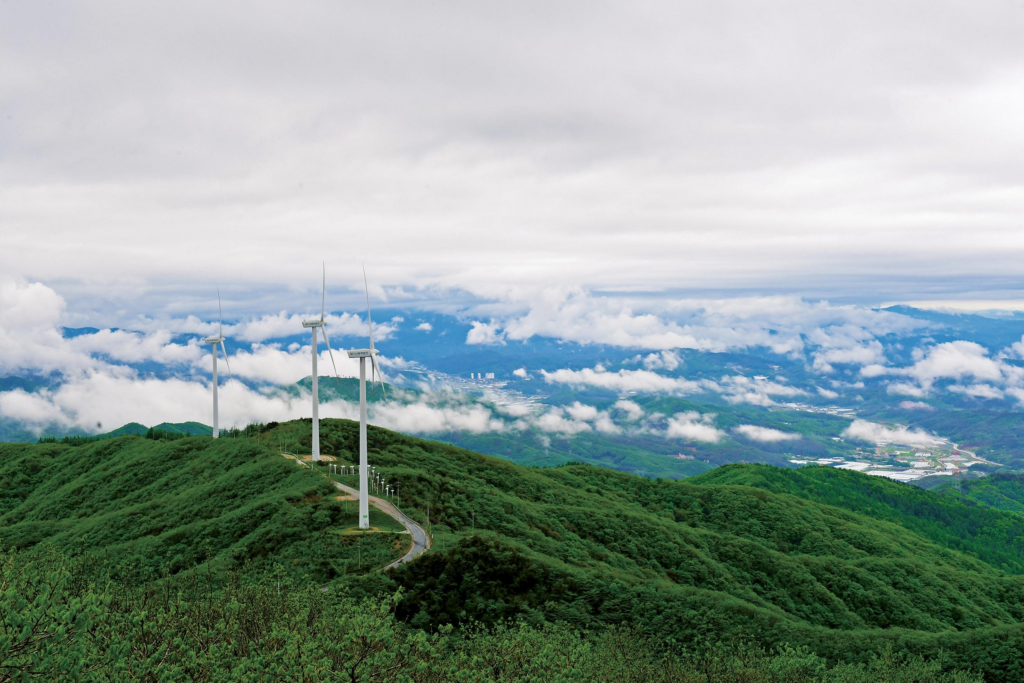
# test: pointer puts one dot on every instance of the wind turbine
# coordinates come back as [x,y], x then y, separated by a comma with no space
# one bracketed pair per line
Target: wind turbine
[362,355]
[314,325]
[219,339]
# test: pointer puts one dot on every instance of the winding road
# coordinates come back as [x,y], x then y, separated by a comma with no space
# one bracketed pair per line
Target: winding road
[420,540]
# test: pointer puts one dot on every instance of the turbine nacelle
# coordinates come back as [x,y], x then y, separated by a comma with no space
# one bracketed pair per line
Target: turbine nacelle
[362,353]
[313,323]
[213,340]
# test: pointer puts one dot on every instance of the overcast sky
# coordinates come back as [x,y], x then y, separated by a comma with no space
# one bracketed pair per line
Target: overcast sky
[861,151]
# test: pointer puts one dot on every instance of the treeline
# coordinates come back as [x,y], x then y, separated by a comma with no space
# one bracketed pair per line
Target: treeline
[58,624]
[157,433]
[153,433]
[250,431]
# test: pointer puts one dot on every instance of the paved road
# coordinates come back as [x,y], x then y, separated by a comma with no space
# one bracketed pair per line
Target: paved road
[420,541]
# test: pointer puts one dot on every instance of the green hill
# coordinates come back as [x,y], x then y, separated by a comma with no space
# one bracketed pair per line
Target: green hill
[136,429]
[190,428]
[594,547]
[672,562]
[343,388]
[164,507]
[989,534]
[130,429]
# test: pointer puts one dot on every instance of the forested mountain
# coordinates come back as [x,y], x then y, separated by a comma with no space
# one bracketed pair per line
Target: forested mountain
[754,558]
[991,535]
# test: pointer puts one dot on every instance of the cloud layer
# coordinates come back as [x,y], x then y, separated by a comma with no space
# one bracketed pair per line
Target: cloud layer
[492,148]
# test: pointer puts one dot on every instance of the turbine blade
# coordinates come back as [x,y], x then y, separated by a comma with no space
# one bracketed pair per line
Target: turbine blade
[369,317]
[225,350]
[328,342]
[323,293]
[380,376]
[220,316]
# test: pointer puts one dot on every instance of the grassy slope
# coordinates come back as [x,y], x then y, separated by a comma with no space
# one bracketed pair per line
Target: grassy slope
[166,506]
[593,546]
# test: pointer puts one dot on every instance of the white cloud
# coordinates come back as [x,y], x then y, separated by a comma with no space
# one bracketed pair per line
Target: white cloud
[874,370]
[284,324]
[484,333]
[422,418]
[915,405]
[624,380]
[30,334]
[874,432]
[271,363]
[734,388]
[28,407]
[906,389]
[693,426]
[776,323]
[1016,349]
[504,129]
[514,409]
[31,338]
[133,347]
[827,393]
[521,373]
[582,412]
[632,409]
[846,344]
[112,401]
[741,389]
[667,360]
[576,418]
[956,361]
[765,434]
[424,327]
[977,391]
[554,420]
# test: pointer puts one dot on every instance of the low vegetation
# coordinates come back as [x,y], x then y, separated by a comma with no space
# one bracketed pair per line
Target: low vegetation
[197,559]
[58,624]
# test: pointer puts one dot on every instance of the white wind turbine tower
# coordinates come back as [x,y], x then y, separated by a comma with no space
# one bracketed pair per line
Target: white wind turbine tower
[314,325]
[219,339]
[362,355]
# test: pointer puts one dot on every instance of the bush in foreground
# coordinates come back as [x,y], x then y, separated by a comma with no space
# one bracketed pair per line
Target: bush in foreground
[58,624]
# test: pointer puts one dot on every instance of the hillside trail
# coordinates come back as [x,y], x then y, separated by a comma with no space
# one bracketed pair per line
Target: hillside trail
[420,540]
